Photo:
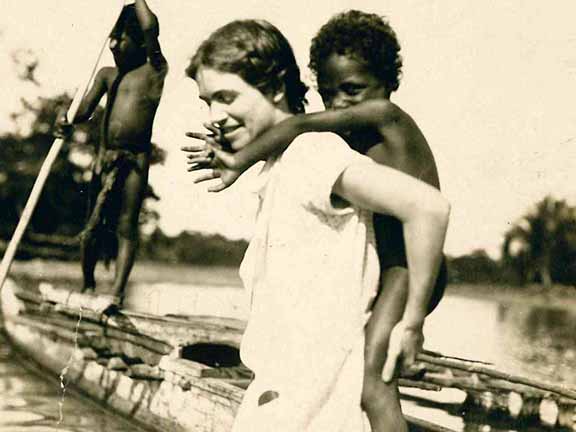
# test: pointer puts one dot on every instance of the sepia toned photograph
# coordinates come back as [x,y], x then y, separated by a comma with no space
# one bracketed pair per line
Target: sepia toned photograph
[287,216]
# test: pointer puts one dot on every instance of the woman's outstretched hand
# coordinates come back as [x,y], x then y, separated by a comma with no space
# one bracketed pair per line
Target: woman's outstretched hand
[211,161]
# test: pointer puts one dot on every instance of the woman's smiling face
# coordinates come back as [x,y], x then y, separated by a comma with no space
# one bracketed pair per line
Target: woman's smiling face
[239,110]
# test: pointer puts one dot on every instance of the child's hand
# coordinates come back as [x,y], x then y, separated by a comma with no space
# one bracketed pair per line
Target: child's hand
[213,161]
[405,344]
[62,128]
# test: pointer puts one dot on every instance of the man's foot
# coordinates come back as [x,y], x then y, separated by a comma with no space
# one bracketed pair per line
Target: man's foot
[88,289]
[89,285]
[108,304]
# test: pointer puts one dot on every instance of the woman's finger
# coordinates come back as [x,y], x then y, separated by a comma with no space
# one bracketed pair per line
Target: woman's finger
[198,167]
[194,148]
[210,174]
[207,163]
[197,135]
[218,187]
[211,128]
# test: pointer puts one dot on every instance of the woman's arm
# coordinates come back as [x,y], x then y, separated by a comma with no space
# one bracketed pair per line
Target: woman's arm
[424,213]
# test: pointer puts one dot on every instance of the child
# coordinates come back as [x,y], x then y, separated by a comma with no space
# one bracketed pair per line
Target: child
[355,58]
[311,266]
[133,90]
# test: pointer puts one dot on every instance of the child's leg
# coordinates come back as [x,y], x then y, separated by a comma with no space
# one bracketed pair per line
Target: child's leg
[381,400]
[132,195]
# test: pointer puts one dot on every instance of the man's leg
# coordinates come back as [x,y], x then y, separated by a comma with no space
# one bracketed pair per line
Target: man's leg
[381,400]
[89,249]
[132,195]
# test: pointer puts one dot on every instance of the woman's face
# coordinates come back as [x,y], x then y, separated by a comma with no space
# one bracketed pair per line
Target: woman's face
[237,108]
[344,81]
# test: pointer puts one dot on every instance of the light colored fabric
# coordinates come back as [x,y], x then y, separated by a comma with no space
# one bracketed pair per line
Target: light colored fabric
[311,271]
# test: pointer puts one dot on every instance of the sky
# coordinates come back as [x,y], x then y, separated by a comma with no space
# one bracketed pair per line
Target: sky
[491,85]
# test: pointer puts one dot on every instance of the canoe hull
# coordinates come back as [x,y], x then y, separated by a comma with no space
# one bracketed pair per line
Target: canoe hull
[204,406]
[178,395]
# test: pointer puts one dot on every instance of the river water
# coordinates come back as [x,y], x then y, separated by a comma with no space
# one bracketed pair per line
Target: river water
[31,402]
[533,340]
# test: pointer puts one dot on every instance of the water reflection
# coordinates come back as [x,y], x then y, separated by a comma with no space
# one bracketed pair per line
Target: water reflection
[542,341]
[526,339]
[29,403]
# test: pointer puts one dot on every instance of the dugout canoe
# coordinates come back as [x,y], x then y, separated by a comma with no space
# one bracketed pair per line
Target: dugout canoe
[163,372]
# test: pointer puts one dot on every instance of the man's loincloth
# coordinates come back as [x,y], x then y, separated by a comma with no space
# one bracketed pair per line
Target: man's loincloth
[106,201]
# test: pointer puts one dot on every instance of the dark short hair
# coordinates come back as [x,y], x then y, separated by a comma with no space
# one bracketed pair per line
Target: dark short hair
[259,53]
[365,37]
[128,21]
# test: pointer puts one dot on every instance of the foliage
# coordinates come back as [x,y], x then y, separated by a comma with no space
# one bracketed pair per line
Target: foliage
[61,208]
[192,248]
[476,267]
[541,246]
[63,205]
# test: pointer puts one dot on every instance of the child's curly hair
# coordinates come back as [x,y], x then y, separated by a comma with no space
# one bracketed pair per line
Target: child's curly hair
[363,36]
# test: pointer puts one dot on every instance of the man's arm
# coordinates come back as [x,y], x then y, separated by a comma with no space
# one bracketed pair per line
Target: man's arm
[151,29]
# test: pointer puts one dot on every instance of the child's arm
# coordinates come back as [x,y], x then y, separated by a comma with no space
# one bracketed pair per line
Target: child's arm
[372,113]
[151,29]
[87,106]
[92,98]
[424,214]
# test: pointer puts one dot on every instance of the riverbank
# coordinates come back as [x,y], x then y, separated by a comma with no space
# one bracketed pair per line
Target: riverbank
[558,296]
[154,272]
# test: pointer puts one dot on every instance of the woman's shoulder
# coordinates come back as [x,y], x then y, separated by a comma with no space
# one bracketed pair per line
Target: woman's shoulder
[316,143]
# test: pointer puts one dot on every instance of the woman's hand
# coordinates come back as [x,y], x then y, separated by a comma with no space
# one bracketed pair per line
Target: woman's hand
[212,161]
[405,343]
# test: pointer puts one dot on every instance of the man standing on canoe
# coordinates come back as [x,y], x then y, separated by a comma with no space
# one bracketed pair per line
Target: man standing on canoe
[120,175]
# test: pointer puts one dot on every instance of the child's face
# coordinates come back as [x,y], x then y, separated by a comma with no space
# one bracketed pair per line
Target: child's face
[344,81]
[123,48]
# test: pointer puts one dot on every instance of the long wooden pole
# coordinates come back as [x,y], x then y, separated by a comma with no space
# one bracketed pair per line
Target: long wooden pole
[8,257]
